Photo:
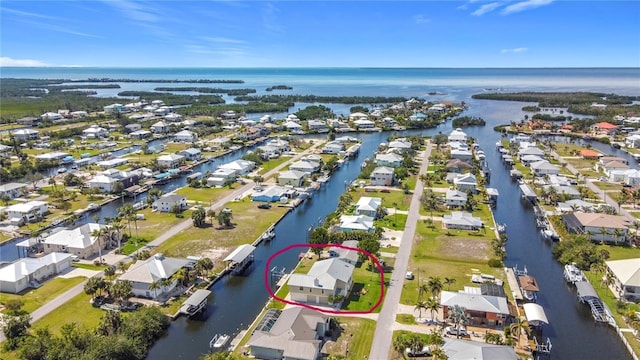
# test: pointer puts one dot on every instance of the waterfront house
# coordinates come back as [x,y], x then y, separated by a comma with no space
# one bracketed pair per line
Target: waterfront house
[609,164]
[107,179]
[390,159]
[364,123]
[317,126]
[242,167]
[332,148]
[330,277]
[30,272]
[417,117]
[626,278]
[95,132]
[483,310]
[388,122]
[268,152]
[350,256]
[632,141]
[382,176]
[140,134]
[462,220]
[160,128]
[79,241]
[171,160]
[369,206]
[24,135]
[575,205]
[281,145]
[294,127]
[543,167]
[531,150]
[114,109]
[11,190]
[457,166]
[54,156]
[271,194]
[357,115]
[173,117]
[604,128]
[30,211]
[148,276]
[589,154]
[167,202]
[527,160]
[307,167]
[291,178]
[401,144]
[292,333]
[457,135]
[455,198]
[565,191]
[465,182]
[191,154]
[112,163]
[350,223]
[459,349]
[598,226]
[464,155]
[337,124]
[132,127]
[221,177]
[185,136]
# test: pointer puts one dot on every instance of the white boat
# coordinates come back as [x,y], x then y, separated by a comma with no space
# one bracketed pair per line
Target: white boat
[268,235]
[502,228]
[572,274]
[62,170]
[218,341]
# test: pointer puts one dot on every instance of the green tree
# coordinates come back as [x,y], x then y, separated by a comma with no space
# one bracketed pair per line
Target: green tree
[198,216]
[400,343]
[420,305]
[224,218]
[369,245]
[433,305]
[319,235]
[15,328]
[435,285]
[449,281]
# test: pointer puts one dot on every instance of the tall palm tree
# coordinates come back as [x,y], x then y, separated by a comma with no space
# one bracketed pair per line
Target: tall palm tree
[433,305]
[435,285]
[400,343]
[439,354]
[420,305]
[423,289]
[602,231]
[518,326]
[155,285]
[449,281]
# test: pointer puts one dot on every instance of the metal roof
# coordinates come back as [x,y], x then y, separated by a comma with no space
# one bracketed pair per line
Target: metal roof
[198,297]
[240,253]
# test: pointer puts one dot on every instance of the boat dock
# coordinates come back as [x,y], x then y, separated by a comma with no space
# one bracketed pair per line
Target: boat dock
[195,303]
[513,284]
[240,258]
[587,294]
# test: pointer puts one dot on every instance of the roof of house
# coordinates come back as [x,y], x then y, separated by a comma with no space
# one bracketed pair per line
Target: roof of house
[474,302]
[456,195]
[24,267]
[171,198]
[191,151]
[291,174]
[462,218]
[154,268]
[324,274]
[457,349]
[465,179]
[293,333]
[26,207]
[239,164]
[616,165]
[399,144]
[185,133]
[79,238]
[389,157]
[304,165]
[11,186]
[356,222]
[532,150]
[240,253]
[589,153]
[170,157]
[458,164]
[606,125]
[368,203]
[627,271]
[599,220]
[348,254]
[543,165]
[383,170]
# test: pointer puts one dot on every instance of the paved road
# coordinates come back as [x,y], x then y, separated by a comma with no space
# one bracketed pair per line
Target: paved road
[387,317]
[78,289]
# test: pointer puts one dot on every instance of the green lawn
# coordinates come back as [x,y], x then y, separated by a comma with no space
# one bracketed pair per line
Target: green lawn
[35,298]
[607,186]
[393,221]
[5,237]
[249,223]
[204,196]
[272,164]
[357,334]
[69,313]
[411,181]
[406,319]
[157,223]
[392,199]
[365,291]
[89,266]
[620,252]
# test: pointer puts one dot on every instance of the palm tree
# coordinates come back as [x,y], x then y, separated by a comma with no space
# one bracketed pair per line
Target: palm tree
[155,285]
[449,281]
[618,234]
[603,231]
[423,289]
[400,343]
[420,305]
[109,272]
[433,305]
[439,354]
[98,234]
[518,327]
[435,285]
[122,267]
[459,317]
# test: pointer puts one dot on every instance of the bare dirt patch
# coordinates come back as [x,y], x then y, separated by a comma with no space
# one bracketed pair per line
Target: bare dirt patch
[464,248]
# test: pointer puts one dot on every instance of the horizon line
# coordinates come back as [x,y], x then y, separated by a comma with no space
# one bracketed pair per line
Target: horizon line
[313,67]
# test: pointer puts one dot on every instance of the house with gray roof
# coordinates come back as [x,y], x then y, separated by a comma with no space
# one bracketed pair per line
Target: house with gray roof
[356,223]
[462,220]
[307,167]
[465,182]
[368,206]
[79,241]
[484,310]
[330,277]
[389,159]
[458,349]
[350,256]
[166,202]
[382,176]
[626,276]
[11,190]
[143,273]
[455,198]
[543,167]
[29,272]
[292,178]
[292,333]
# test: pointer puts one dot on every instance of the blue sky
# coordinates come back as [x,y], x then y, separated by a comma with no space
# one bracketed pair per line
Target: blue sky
[475,33]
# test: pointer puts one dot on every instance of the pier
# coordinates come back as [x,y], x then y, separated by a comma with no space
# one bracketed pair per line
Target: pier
[195,303]
[513,284]
[587,294]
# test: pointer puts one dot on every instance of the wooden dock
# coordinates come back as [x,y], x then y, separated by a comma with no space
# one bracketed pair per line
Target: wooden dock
[513,284]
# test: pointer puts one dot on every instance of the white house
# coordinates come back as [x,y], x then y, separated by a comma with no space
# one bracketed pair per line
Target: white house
[185,136]
[598,226]
[356,223]
[191,154]
[143,273]
[30,272]
[23,135]
[173,117]
[95,132]
[242,167]
[171,160]
[456,198]
[293,127]
[465,182]
[401,144]
[382,176]
[483,310]
[457,135]
[160,128]
[326,278]
[103,182]
[140,134]
[292,178]
[332,148]
[317,125]
[541,168]
[166,203]
[626,275]
[368,206]
[307,167]
[51,116]
[462,220]
[11,190]
[389,159]
[632,141]
[221,177]
[463,155]
[27,212]
[79,241]
[364,124]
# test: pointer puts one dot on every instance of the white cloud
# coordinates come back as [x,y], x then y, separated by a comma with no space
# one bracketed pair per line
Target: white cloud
[223,40]
[28,14]
[525,5]
[421,19]
[486,8]
[514,50]
[6,61]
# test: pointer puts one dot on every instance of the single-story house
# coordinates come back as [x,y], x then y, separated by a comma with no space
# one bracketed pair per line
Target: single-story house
[191,154]
[382,176]
[543,167]
[293,126]
[626,275]
[459,349]
[463,155]
[530,159]
[598,226]
[242,167]
[79,241]
[484,310]
[111,163]
[389,159]
[11,190]
[332,148]
[29,211]
[166,202]
[458,166]
[132,127]
[455,198]
[171,160]
[307,167]
[292,333]
[569,192]
[30,272]
[140,134]
[185,136]
[531,150]
[221,177]
[51,116]
[401,144]
[271,194]
[153,270]
[326,278]
[291,177]
[356,223]
[604,128]
[589,154]
[462,220]
[575,205]
[465,182]
[368,206]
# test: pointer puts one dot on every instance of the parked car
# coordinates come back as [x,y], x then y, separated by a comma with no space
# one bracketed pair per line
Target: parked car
[264,206]
[452,330]
[409,275]
[426,351]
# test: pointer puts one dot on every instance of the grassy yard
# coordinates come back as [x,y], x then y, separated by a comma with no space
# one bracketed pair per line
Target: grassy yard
[406,319]
[272,164]
[157,223]
[89,266]
[77,305]
[204,196]
[436,254]
[392,221]
[356,335]
[35,298]
[607,186]
[5,237]
[393,199]
[411,181]
[249,223]
[620,252]
[581,164]
[365,291]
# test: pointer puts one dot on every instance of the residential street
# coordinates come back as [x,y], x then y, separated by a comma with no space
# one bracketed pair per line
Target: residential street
[384,330]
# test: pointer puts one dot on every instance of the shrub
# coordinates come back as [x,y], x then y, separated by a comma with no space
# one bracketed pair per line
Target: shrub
[495,263]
